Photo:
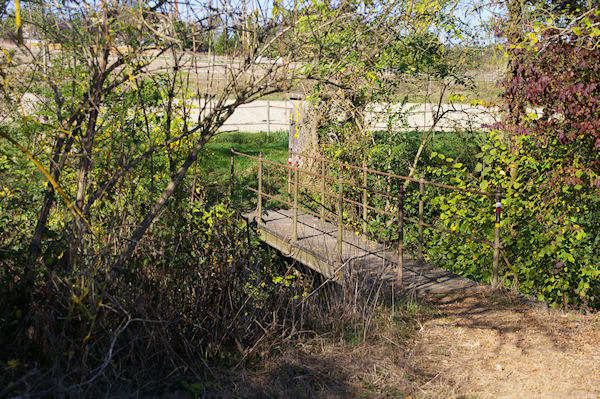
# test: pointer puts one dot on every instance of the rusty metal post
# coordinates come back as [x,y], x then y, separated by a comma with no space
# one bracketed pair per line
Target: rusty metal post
[322,210]
[340,214]
[289,192]
[421,207]
[400,237]
[497,239]
[259,201]
[295,220]
[365,211]
[231,174]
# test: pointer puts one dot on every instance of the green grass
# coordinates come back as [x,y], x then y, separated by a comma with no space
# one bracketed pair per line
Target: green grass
[215,161]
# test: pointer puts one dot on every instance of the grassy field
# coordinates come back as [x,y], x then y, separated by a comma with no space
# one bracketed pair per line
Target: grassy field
[214,164]
[215,161]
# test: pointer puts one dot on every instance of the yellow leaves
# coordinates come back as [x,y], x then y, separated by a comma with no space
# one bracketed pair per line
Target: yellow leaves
[371,77]
[532,38]
[50,179]
[456,98]
[75,299]
[12,364]
[426,7]
[277,8]
[8,57]
[6,193]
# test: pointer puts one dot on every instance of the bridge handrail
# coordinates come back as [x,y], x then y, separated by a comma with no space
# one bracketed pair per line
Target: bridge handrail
[296,170]
[327,218]
[410,179]
[311,173]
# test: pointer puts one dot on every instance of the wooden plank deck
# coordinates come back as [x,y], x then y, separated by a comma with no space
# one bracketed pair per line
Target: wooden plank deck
[316,249]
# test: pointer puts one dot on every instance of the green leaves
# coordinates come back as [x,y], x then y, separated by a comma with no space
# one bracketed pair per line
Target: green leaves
[549,233]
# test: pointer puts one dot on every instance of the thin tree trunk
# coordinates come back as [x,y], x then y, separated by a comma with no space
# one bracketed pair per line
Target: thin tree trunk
[211,125]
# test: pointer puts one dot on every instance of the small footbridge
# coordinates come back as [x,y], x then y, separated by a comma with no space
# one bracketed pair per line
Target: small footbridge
[337,219]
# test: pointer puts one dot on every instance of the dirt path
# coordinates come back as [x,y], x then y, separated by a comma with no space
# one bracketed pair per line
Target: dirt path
[493,349]
[457,346]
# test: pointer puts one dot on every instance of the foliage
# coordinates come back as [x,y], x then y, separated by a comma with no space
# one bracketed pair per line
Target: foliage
[140,258]
[549,229]
[370,86]
[180,297]
[544,158]
[557,96]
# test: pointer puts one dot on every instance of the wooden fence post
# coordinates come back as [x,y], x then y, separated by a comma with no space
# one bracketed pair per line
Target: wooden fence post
[231,174]
[365,211]
[400,237]
[340,214]
[322,190]
[295,220]
[268,118]
[259,201]
[421,206]
[497,239]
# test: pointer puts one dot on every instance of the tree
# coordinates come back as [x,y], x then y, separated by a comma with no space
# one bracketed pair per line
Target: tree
[549,134]
[106,115]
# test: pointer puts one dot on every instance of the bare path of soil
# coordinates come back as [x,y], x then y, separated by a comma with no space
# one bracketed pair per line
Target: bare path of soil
[492,348]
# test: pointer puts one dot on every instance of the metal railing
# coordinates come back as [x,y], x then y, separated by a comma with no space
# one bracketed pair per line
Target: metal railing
[336,190]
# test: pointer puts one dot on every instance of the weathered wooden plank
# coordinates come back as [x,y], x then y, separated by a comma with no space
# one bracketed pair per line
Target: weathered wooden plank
[316,248]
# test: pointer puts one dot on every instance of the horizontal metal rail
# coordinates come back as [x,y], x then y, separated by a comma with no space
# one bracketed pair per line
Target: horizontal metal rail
[387,174]
[315,174]
[287,203]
